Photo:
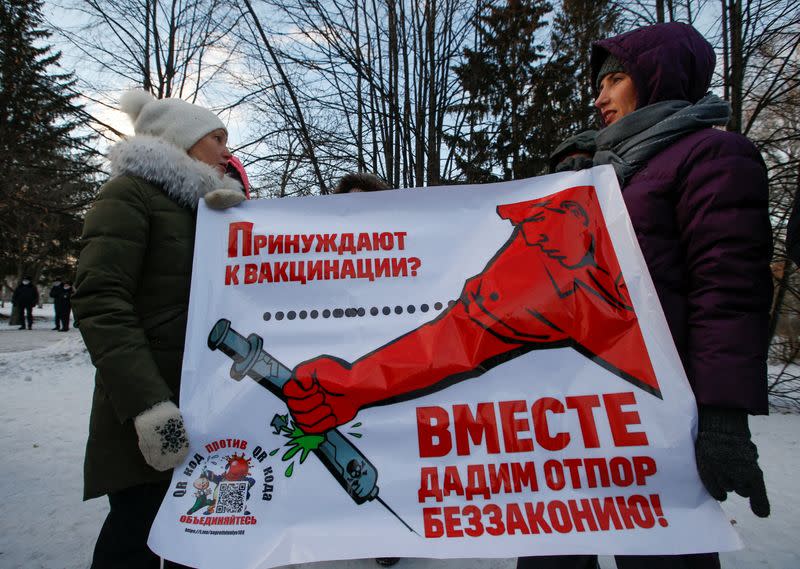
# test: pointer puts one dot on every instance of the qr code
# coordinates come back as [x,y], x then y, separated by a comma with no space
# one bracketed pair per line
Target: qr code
[231,497]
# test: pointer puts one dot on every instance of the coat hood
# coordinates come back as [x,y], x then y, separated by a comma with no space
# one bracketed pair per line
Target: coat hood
[666,62]
[180,176]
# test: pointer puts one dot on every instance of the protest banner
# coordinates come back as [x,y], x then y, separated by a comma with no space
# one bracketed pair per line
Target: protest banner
[472,371]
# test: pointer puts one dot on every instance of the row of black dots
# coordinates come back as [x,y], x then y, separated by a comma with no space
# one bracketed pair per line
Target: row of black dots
[354,312]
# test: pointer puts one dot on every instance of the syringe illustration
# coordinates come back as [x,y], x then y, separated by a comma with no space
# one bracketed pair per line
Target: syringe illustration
[354,472]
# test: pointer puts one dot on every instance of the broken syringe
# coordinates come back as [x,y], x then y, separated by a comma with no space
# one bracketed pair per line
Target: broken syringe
[354,472]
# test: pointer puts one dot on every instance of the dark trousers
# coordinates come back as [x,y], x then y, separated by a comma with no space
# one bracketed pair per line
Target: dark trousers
[62,319]
[122,543]
[697,561]
[26,313]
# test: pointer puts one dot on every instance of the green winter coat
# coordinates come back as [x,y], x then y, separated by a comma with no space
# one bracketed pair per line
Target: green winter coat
[132,296]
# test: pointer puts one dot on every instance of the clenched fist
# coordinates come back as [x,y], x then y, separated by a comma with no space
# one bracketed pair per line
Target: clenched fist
[317,394]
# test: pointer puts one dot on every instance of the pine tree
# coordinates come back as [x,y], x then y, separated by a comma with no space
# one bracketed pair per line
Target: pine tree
[564,92]
[46,172]
[577,24]
[499,75]
[521,105]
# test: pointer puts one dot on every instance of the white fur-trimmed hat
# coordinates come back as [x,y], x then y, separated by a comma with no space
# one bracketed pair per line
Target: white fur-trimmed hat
[174,120]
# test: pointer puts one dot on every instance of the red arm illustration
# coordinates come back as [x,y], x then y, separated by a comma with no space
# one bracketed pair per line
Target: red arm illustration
[555,282]
[326,392]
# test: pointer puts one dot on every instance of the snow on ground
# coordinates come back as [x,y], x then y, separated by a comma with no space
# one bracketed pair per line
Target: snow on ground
[44,410]
[42,330]
[46,384]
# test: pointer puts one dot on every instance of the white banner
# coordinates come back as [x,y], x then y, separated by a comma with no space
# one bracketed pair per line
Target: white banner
[471,371]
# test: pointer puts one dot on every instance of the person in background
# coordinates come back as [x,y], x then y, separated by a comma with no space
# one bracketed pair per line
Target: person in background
[697,198]
[55,291]
[25,297]
[63,305]
[132,300]
[360,182]
[364,182]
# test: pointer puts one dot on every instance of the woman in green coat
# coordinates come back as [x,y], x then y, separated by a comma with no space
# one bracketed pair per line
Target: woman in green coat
[132,297]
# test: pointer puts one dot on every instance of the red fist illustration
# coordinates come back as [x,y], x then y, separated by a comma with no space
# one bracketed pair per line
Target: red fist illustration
[317,395]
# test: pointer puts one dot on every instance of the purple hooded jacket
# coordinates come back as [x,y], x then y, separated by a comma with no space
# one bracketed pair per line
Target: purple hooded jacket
[699,209]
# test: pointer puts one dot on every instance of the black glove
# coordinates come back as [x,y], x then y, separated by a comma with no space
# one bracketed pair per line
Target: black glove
[574,163]
[575,153]
[727,459]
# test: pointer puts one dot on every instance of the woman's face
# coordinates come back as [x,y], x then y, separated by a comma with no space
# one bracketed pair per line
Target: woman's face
[617,97]
[213,150]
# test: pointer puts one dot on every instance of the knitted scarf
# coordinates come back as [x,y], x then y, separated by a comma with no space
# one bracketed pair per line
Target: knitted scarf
[631,141]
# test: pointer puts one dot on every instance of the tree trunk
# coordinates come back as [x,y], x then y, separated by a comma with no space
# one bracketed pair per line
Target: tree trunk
[433,148]
[725,52]
[421,83]
[777,302]
[408,154]
[360,164]
[308,146]
[736,64]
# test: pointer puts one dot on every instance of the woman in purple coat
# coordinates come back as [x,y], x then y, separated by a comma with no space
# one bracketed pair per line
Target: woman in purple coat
[697,198]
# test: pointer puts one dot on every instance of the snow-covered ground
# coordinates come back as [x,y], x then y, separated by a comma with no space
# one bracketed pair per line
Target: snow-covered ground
[46,385]
[43,323]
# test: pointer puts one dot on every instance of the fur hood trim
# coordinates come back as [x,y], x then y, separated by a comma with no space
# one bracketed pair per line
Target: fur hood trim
[180,176]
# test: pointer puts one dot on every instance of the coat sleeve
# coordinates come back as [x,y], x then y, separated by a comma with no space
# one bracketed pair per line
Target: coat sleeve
[115,236]
[725,231]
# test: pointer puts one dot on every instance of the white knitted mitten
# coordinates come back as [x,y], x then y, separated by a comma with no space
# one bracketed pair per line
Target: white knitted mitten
[223,198]
[162,437]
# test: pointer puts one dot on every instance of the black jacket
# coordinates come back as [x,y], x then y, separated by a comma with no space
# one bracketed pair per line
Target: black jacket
[25,295]
[61,298]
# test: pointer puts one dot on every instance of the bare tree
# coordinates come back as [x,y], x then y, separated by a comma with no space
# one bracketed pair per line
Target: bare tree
[298,118]
[172,49]
[175,48]
[372,80]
